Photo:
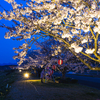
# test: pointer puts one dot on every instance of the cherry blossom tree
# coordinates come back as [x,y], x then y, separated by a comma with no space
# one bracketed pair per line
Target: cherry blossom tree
[76,23]
[47,56]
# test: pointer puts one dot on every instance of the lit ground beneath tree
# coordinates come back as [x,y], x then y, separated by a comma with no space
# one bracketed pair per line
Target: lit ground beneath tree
[33,89]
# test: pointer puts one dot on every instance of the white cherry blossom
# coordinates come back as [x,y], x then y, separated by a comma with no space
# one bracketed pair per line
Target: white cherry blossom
[84,41]
[89,51]
[66,35]
[9,1]
[68,25]
[78,49]
[74,31]
[96,29]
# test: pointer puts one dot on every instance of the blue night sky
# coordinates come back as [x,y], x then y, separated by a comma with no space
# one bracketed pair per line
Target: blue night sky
[6,45]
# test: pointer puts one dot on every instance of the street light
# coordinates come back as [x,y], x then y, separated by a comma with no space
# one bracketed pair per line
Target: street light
[26,75]
[20,70]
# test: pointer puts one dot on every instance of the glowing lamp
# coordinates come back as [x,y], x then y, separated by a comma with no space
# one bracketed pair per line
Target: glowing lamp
[60,62]
[26,75]
[20,70]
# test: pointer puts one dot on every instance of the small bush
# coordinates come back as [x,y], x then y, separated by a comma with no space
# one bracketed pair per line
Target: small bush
[74,81]
[58,78]
[66,80]
[90,93]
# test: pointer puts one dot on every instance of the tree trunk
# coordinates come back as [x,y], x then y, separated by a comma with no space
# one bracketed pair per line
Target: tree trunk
[63,74]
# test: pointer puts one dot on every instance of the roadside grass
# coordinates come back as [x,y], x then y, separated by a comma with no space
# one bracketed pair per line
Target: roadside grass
[63,91]
[6,79]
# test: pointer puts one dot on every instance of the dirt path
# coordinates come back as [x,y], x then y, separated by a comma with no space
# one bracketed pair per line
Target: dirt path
[23,90]
[26,90]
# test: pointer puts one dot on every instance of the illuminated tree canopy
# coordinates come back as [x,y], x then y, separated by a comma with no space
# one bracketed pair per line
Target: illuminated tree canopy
[75,23]
[44,57]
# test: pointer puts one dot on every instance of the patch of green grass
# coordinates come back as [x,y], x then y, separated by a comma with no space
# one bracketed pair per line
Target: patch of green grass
[53,84]
[4,80]
[69,91]
[90,93]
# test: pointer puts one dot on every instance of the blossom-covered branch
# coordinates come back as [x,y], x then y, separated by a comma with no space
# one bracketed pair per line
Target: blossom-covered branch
[75,23]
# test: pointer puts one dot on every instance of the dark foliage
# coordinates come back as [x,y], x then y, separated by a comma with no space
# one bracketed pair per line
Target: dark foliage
[66,80]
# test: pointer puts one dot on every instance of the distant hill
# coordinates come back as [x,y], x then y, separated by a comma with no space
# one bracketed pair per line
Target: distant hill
[7,67]
[3,64]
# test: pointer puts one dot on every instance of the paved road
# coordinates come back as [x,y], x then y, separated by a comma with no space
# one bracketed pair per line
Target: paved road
[89,81]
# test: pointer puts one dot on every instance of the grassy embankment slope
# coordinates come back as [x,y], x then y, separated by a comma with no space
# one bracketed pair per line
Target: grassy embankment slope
[6,79]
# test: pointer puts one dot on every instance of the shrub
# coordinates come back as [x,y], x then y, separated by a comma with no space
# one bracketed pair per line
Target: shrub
[66,80]
[74,81]
[58,78]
